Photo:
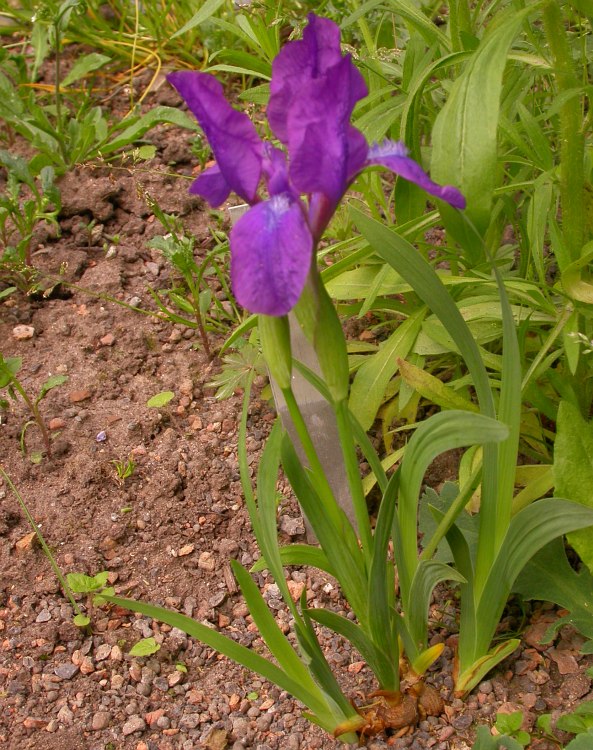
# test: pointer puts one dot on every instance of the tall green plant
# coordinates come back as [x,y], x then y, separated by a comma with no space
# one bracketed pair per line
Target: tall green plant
[505,543]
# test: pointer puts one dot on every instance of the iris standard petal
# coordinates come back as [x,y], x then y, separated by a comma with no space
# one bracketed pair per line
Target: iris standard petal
[319,134]
[271,253]
[303,62]
[211,186]
[298,63]
[358,150]
[393,155]
[231,134]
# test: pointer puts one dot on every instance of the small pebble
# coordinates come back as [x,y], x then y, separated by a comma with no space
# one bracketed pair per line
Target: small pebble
[101,720]
[206,561]
[22,333]
[103,652]
[134,724]
[76,397]
[43,616]
[66,671]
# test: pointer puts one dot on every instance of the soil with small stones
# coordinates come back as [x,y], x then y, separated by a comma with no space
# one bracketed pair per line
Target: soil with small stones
[166,533]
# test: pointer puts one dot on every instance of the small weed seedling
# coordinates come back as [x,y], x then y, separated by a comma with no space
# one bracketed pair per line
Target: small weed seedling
[193,302]
[123,469]
[509,734]
[8,379]
[80,583]
[20,213]
[145,647]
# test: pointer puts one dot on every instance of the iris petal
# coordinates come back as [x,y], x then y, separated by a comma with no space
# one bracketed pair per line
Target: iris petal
[300,64]
[271,253]
[231,134]
[320,134]
[276,171]
[394,156]
[211,186]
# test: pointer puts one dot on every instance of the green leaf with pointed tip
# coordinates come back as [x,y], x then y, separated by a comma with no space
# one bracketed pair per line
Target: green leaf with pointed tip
[83,66]
[145,647]
[371,380]
[432,388]
[206,11]
[548,576]
[465,133]
[160,399]
[416,271]
[573,470]
[298,554]
[468,679]
[50,383]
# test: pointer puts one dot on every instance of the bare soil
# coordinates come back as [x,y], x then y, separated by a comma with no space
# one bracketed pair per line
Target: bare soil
[166,533]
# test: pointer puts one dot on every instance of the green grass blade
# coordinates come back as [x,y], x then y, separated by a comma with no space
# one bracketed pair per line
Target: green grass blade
[423,25]
[229,648]
[371,380]
[386,671]
[529,531]
[408,263]
[206,11]
[299,554]
[334,532]
[441,432]
[274,638]
[381,583]
[428,574]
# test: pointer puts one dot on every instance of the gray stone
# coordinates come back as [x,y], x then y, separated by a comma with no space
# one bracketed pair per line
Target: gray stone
[66,671]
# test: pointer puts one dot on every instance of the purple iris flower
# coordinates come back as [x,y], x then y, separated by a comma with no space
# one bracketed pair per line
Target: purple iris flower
[313,92]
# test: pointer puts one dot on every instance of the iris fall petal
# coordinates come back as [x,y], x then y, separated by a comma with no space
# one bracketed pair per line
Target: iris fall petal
[211,186]
[271,253]
[394,156]
[231,134]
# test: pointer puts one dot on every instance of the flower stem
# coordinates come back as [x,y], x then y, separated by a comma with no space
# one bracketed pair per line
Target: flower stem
[56,568]
[572,145]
